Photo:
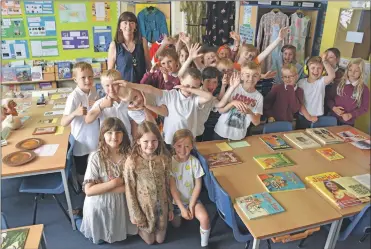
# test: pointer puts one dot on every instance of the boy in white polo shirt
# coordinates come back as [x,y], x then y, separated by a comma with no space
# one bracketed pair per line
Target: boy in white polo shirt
[77,105]
[110,105]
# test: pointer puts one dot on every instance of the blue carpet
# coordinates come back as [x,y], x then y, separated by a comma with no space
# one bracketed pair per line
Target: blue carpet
[59,234]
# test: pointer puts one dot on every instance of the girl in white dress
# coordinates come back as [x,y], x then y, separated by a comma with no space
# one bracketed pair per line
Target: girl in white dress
[105,210]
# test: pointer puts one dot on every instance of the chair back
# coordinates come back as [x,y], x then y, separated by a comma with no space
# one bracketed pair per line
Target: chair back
[4,223]
[69,156]
[206,178]
[278,126]
[325,121]
[358,223]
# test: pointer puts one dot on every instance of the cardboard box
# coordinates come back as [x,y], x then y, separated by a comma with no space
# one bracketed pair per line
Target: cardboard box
[49,76]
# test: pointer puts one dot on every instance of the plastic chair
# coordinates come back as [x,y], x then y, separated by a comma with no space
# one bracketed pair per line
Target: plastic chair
[4,223]
[51,184]
[227,213]
[325,121]
[278,126]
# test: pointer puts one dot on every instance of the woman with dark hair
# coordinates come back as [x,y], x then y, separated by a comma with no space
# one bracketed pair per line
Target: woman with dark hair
[128,53]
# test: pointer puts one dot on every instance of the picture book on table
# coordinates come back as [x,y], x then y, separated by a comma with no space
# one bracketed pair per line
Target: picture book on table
[329,154]
[350,136]
[23,73]
[258,205]
[222,159]
[353,186]
[281,181]
[64,70]
[333,191]
[301,140]
[271,161]
[275,142]
[364,179]
[36,73]
[363,145]
[323,135]
[14,238]
[8,74]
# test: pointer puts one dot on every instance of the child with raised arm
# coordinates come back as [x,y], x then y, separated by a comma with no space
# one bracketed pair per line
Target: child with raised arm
[78,103]
[106,218]
[110,105]
[284,100]
[186,184]
[147,184]
[245,106]
[350,98]
[314,91]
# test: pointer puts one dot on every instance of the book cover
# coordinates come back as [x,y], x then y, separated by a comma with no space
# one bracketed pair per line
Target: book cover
[301,140]
[14,238]
[350,136]
[27,87]
[23,73]
[8,74]
[364,179]
[353,187]
[281,181]
[45,85]
[222,159]
[275,142]
[36,73]
[323,135]
[259,205]
[363,145]
[334,192]
[97,69]
[271,161]
[329,154]
[64,70]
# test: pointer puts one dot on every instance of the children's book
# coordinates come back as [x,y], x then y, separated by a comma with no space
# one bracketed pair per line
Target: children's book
[23,73]
[271,161]
[45,85]
[53,113]
[323,135]
[259,205]
[222,159]
[301,140]
[350,136]
[48,121]
[353,186]
[8,74]
[36,73]
[275,142]
[363,179]
[333,191]
[329,154]
[97,69]
[14,238]
[363,145]
[27,87]
[281,181]
[59,105]
[64,70]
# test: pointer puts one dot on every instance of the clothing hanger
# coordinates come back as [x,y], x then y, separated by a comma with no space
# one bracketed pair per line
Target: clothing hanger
[276,10]
[300,13]
[150,8]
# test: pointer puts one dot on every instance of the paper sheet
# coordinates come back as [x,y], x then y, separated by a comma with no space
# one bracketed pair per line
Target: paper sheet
[239,144]
[53,113]
[47,150]
[224,146]
[60,130]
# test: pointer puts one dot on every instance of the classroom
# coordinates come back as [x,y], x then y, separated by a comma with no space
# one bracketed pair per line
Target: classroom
[185,124]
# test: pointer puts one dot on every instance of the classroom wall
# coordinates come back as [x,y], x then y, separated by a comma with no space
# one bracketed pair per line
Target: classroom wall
[328,41]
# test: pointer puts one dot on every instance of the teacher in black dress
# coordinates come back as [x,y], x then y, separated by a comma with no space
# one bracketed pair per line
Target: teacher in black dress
[128,53]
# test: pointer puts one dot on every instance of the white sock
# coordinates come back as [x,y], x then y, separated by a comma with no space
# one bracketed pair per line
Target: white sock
[204,236]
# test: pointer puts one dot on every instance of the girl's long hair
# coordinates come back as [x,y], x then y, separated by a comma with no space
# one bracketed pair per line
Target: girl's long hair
[180,134]
[358,89]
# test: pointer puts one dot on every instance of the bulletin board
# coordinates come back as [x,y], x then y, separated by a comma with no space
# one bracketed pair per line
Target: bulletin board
[68,20]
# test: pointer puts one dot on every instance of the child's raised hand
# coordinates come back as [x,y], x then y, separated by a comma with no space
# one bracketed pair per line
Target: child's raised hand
[283,33]
[81,110]
[235,80]
[225,79]
[193,51]
[338,110]
[184,38]
[106,102]
[269,75]
[167,40]
[241,106]
[154,67]
[324,56]
[235,36]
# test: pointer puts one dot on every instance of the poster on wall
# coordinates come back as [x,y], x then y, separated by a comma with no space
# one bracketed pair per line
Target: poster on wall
[38,7]
[14,49]
[246,14]
[10,7]
[74,12]
[45,47]
[102,38]
[12,28]
[101,12]
[75,39]
[247,34]
[41,26]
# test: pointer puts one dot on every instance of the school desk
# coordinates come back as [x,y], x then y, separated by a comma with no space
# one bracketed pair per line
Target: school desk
[35,238]
[40,165]
[304,209]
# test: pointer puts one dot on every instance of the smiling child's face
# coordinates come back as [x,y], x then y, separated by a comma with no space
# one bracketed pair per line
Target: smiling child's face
[210,85]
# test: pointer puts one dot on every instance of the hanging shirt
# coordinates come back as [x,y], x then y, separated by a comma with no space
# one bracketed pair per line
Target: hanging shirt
[152,24]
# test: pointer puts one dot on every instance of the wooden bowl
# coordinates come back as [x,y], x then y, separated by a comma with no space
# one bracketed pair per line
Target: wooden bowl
[29,144]
[19,158]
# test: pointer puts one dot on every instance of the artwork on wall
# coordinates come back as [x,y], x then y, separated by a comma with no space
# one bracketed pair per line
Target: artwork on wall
[12,28]
[101,12]
[14,49]
[41,26]
[39,7]
[11,8]
[74,12]
[102,38]
[43,48]
[75,39]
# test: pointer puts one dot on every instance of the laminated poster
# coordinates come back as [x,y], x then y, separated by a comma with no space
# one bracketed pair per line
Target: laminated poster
[12,28]
[10,7]
[101,12]
[14,49]
[75,39]
[102,38]
[74,12]
[41,48]
[41,26]
[39,7]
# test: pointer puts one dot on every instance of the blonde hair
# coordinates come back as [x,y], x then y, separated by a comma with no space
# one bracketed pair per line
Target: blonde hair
[225,62]
[314,60]
[111,74]
[360,83]
[291,67]
[181,134]
[246,47]
[81,66]
[251,65]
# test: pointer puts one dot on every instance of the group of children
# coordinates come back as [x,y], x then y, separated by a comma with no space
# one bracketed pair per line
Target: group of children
[138,175]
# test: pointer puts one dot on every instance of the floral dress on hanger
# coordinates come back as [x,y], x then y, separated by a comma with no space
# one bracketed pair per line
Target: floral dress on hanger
[299,30]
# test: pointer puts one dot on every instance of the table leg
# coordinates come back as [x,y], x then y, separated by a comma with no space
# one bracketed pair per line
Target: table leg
[256,244]
[68,198]
[43,241]
[336,237]
[332,234]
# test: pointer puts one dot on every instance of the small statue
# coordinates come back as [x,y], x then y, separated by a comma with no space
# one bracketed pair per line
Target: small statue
[9,105]
[12,122]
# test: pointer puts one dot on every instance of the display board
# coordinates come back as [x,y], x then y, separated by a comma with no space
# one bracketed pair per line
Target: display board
[72,29]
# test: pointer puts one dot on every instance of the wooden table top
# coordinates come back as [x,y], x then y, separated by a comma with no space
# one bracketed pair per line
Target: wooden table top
[34,235]
[48,163]
[302,206]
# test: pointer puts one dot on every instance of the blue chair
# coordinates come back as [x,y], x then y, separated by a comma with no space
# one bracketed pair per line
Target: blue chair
[325,121]
[51,184]
[4,223]
[278,126]
[227,213]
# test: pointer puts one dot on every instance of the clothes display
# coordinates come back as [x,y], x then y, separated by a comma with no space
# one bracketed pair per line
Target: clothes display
[152,24]
[299,30]
[220,21]
[194,11]
[269,27]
